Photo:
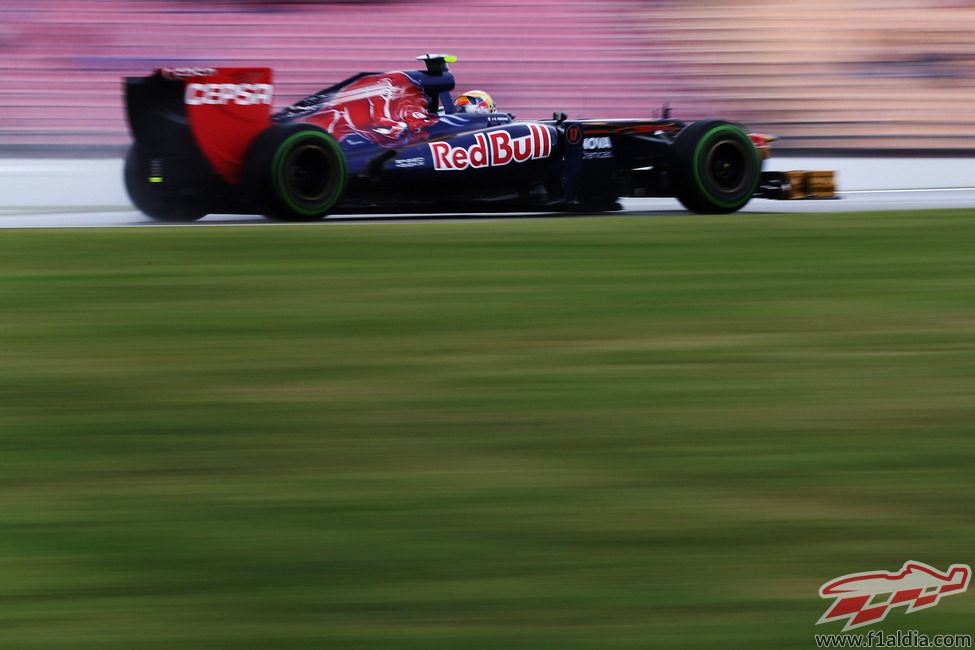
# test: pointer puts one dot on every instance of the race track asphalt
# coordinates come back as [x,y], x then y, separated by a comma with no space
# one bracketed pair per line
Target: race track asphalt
[89,193]
[863,201]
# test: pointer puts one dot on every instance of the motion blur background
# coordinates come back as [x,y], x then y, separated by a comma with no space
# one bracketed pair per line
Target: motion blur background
[824,74]
[653,431]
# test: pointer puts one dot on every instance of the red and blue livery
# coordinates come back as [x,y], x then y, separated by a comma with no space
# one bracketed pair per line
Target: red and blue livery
[207,140]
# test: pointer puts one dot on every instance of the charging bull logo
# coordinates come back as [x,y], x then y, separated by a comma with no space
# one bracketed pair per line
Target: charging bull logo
[389,110]
[493,149]
[865,598]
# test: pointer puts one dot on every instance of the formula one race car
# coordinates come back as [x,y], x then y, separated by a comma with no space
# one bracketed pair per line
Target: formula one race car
[206,141]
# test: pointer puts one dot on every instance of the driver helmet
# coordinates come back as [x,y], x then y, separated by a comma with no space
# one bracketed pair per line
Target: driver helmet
[475,101]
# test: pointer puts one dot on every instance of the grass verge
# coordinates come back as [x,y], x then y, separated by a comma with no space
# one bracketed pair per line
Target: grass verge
[612,432]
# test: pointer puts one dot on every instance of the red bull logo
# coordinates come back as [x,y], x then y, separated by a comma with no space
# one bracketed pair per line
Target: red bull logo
[493,149]
[866,598]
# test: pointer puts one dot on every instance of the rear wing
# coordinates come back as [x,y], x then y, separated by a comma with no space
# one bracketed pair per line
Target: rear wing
[216,111]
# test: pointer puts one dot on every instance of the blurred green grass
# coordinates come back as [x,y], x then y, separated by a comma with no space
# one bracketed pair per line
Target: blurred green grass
[576,433]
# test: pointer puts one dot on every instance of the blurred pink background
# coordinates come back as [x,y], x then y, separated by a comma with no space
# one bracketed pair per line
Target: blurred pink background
[823,74]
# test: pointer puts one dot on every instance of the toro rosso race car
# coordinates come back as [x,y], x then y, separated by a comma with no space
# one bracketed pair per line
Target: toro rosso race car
[207,141]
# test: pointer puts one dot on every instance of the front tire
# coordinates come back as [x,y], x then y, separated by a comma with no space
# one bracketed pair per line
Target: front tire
[716,167]
[297,172]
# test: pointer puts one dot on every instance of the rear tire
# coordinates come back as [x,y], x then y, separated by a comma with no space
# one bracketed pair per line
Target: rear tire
[157,196]
[716,167]
[296,172]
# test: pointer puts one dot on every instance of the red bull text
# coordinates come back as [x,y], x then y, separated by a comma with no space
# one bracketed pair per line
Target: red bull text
[493,149]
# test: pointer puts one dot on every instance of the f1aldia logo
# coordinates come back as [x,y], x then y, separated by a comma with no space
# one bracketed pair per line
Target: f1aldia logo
[493,149]
[866,598]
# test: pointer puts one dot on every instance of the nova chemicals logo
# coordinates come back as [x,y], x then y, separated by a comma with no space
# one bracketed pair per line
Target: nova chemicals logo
[866,598]
[597,143]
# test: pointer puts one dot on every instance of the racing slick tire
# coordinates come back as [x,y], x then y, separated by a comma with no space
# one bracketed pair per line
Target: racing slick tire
[717,167]
[296,172]
[153,194]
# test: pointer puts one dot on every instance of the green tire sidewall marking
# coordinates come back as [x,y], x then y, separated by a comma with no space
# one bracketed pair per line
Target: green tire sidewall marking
[277,171]
[696,160]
